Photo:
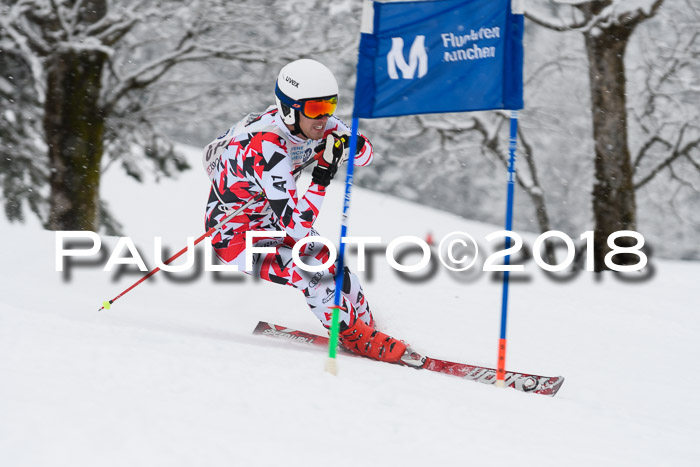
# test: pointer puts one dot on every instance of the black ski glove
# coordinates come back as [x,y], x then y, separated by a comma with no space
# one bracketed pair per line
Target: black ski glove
[345,137]
[335,152]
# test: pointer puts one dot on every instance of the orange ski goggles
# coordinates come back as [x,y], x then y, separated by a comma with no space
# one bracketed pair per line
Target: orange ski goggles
[318,108]
[311,108]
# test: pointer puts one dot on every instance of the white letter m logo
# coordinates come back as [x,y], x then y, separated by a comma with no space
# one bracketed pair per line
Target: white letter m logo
[417,58]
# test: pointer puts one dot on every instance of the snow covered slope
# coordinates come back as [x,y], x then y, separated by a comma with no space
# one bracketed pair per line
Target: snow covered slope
[171,375]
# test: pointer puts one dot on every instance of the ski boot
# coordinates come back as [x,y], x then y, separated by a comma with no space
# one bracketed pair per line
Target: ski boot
[362,339]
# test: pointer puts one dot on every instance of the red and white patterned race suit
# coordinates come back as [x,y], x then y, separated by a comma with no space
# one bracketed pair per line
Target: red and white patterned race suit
[258,155]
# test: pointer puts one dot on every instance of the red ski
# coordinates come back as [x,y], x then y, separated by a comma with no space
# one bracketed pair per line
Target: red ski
[545,385]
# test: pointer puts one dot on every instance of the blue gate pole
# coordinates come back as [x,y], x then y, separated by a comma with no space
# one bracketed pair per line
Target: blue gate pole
[501,369]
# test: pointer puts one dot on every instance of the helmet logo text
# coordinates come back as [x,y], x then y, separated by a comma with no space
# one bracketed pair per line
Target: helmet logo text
[291,81]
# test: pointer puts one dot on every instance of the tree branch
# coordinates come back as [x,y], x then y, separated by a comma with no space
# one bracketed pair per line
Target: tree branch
[643,151]
[545,23]
[640,15]
[675,154]
[562,25]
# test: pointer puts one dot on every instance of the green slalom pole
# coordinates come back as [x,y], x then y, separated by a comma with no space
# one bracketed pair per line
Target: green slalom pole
[331,365]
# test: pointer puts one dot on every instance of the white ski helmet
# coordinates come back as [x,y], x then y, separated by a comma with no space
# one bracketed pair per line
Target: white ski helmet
[305,86]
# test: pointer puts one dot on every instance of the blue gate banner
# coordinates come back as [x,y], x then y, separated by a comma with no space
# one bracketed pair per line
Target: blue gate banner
[439,56]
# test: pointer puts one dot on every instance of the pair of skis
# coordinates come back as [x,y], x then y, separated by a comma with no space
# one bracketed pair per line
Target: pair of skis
[545,385]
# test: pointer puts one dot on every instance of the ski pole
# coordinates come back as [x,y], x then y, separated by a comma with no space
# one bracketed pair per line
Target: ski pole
[259,196]
[107,304]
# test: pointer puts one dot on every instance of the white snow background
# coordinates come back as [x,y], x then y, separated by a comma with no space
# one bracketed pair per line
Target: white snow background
[171,375]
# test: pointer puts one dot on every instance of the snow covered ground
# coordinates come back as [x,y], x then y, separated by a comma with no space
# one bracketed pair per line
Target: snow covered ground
[171,375]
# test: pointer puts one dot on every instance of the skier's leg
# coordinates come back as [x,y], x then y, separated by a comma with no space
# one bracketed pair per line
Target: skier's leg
[318,287]
[356,335]
[352,292]
[357,332]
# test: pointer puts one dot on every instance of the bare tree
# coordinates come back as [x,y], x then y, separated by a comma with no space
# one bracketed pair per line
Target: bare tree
[664,129]
[667,109]
[90,64]
[606,26]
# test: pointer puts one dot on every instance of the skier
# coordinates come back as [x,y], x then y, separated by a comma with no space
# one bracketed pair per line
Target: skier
[259,155]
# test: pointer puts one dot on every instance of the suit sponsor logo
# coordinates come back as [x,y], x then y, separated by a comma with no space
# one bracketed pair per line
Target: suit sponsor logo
[330,293]
[316,279]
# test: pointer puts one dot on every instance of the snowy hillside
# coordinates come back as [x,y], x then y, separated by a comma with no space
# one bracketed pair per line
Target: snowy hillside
[171,375]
